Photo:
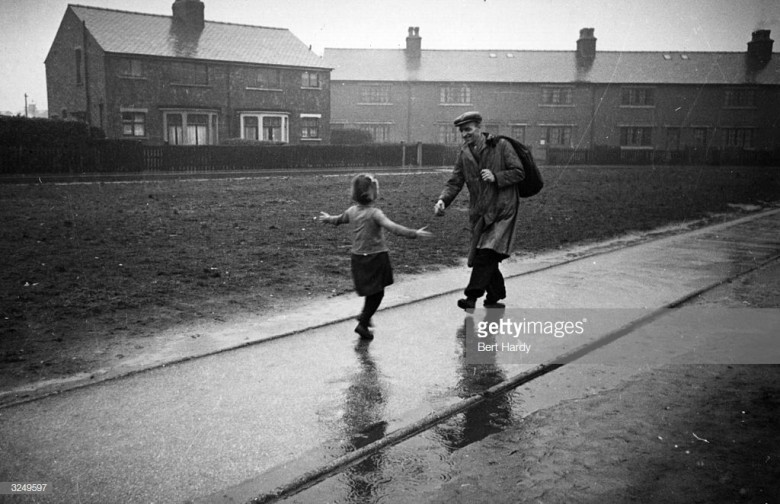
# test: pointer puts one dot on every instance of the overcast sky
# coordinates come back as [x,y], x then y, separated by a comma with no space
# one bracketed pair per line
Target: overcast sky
[28,27]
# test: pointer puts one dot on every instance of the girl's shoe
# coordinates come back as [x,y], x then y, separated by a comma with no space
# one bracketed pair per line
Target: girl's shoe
[364,332]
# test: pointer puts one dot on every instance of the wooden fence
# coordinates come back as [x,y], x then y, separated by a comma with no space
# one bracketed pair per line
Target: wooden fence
[116,156]
[112,156]
[602,155]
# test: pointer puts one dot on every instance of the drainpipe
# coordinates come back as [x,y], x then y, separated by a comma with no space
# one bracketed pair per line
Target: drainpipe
[86,75]
[408,112]
[229,111]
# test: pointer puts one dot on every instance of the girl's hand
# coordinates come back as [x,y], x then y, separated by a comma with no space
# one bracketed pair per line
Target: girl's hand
[324,217]
[422,233]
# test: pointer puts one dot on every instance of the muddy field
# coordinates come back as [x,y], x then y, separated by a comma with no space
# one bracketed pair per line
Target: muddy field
[91,270]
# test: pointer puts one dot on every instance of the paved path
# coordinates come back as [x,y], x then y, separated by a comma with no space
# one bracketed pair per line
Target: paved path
[240,422]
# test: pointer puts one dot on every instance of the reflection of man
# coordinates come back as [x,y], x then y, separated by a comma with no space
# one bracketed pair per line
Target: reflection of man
[478,372]
[491,170]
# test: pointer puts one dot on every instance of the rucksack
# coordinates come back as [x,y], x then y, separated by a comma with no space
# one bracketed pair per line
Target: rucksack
[533,182]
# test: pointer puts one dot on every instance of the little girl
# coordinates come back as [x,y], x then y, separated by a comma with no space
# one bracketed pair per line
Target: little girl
[371,269]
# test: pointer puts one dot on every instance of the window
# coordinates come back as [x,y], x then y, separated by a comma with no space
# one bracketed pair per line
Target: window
[268,78]
[455,95]
[518,132]
[637,97]
[130,68]
[636,136]
[190,128]
[738,137]
[310,80]
[558,136]
[251,128]
[195,74]
[556,95]
[198,129]
[375,94]
[266,126]
[448,134]
[740,98]
[310,126]
[79,79]
[379,132]
[133,124]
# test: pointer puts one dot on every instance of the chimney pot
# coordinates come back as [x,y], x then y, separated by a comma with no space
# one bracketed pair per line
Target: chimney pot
[189,13]
[760,47]
[586,45]
[414,43]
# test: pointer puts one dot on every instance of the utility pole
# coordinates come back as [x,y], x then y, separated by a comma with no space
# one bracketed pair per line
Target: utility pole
[25,104]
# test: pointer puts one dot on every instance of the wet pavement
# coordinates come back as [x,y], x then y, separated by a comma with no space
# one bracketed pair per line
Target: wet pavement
[231,426]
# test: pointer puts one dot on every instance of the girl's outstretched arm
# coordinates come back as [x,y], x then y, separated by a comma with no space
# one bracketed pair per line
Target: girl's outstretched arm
[398,229]
[332,219]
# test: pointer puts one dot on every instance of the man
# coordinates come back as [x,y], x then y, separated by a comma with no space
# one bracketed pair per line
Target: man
[491,170]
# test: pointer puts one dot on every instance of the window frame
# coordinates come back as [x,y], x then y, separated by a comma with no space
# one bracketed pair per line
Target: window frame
[305,130]
[306,79]
[556,96]
[133,122]
[566,134]
[78,54]
[267,84]
[514,128]
[637,97]
[739,98]
[133,64]
[742,137]
[636,137]
[186,126]
[448,134]
[371,127]
[375,94]
[190,72]
[457,95]
[284,129]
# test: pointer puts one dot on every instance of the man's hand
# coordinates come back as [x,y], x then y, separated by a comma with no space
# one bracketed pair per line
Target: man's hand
[488,176]
[438,208]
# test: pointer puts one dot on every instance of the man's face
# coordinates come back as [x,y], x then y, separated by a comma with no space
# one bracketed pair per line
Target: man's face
[470,132]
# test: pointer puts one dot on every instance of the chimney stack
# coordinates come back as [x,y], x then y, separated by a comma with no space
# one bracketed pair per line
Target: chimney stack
[413,43]
[760,48]
[586,45]
[188,13]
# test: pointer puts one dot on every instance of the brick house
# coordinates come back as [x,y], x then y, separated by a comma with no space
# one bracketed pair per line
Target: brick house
[579,98]
[183,80]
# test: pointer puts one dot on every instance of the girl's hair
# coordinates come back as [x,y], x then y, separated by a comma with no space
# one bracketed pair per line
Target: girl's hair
[365,188]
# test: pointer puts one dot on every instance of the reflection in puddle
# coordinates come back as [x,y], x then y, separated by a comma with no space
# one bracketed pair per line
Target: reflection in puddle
[420,464]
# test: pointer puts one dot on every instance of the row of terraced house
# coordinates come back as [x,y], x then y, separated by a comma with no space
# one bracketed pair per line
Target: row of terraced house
[183,80]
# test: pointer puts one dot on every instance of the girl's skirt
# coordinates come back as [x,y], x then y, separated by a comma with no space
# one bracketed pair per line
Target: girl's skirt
[371,273]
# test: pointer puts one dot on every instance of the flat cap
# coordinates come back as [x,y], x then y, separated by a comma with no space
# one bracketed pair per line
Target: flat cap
[468,117]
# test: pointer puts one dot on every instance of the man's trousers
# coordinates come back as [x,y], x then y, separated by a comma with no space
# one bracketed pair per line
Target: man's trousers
[486,277]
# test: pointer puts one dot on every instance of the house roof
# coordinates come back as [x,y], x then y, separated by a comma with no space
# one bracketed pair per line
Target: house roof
[550,67]
[154,35]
